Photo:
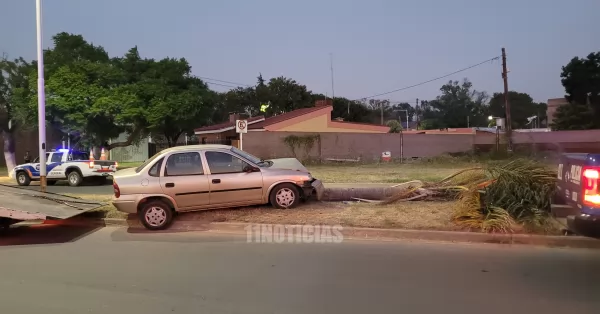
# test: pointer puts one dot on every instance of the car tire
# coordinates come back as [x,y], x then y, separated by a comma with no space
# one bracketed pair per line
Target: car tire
[74,178]
[23,178]
[156,215]
[51,182]
[285,195]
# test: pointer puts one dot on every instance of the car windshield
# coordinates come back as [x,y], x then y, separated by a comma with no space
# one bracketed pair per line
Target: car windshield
[145,163]
[250,157]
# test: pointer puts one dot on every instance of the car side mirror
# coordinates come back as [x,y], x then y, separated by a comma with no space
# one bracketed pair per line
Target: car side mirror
[249,169]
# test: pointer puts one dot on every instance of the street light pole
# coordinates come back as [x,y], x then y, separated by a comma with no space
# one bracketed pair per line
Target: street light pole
[41,96]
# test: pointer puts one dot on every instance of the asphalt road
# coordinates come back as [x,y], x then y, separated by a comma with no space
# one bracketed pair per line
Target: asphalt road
[90,188]
[58,269]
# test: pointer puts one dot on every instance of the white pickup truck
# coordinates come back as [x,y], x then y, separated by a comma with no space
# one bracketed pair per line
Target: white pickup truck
[73,166]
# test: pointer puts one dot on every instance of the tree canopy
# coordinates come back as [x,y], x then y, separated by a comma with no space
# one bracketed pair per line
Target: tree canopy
[522,107]
[581,80]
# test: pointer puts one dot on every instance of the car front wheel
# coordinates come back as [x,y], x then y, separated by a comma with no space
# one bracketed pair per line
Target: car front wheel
[156,215]
[285,195]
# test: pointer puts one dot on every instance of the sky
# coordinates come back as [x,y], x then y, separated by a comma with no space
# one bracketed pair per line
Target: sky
[376,45]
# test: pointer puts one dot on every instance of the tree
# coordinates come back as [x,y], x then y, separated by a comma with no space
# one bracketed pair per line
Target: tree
[522,107]
[400,108]
[395,126]
[574,116]
[180,102]
[14,87]
[581,80]
[458,106]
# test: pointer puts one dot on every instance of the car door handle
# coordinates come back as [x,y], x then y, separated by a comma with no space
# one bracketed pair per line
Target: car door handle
[216,181]
[170,185]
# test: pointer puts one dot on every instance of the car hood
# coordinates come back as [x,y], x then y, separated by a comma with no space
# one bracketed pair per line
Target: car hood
[287,163]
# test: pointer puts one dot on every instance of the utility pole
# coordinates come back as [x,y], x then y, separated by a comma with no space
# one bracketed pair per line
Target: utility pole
[417,111]
[332,89]
[381,108]
[506,102]
[41,96]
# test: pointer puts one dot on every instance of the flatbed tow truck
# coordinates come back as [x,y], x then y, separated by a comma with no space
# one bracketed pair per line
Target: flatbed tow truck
[20,204]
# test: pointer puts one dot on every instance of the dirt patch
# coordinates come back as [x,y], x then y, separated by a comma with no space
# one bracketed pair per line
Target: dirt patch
[410,215]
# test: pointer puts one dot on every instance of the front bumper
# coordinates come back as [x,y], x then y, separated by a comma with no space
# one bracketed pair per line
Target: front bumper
[314,188]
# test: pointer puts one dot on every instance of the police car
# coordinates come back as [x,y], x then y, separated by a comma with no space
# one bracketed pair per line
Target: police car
[64,164]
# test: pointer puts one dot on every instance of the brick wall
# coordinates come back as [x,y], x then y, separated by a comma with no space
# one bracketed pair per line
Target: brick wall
[370,146]
[354,145]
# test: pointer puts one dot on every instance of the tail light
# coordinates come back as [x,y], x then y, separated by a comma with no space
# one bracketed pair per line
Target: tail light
[91,164]
[116,189]
[590,176]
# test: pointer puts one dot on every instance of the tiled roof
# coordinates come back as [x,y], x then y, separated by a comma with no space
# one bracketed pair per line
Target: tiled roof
[284,116]
[216,128]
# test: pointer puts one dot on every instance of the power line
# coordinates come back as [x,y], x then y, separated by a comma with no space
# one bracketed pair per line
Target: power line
[431,80]
[222,81]
[230,86]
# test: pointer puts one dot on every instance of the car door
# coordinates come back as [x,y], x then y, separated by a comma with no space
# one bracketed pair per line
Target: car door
[36,165]
[54,166]
[229,183]
[183,178]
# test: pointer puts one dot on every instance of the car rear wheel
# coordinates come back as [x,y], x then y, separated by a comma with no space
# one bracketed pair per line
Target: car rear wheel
[74,178]
[156,215]
[23,179]
[285,195]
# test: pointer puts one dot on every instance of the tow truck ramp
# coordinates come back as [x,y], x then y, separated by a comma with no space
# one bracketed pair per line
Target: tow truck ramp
[18,204]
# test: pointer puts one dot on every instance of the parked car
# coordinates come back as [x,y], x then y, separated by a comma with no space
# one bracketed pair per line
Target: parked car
[65,164]
[577,187]
[198,177]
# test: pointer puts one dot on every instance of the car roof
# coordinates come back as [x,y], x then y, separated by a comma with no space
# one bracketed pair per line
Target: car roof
[196,147]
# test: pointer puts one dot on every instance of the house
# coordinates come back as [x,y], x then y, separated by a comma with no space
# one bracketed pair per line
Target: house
[311,119]
[223,132]
[553,105]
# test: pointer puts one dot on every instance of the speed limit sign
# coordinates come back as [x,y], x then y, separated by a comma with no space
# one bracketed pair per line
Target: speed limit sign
[241,126]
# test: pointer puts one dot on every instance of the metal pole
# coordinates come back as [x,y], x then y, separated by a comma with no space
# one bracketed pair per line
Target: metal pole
[41,96]
[241,135]
[401,146]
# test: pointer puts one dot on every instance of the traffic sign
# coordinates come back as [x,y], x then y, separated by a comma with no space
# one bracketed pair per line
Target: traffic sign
[241,126]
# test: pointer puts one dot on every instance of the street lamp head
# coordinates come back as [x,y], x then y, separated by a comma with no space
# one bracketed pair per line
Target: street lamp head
[490,118]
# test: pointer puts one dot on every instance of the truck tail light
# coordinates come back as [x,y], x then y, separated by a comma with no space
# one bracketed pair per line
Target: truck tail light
[91,164]
[590,176]
[116,189]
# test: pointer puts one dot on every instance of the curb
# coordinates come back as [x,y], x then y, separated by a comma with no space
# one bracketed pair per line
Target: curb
[389,234]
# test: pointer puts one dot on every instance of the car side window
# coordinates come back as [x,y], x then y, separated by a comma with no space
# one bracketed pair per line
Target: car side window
[220,163]
[56,157]
[184,164]
[155,170]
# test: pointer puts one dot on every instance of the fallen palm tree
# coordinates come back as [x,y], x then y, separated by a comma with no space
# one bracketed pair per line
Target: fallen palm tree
[495,197]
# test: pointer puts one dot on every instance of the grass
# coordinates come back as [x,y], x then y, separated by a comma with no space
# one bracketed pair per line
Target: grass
[383,172]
